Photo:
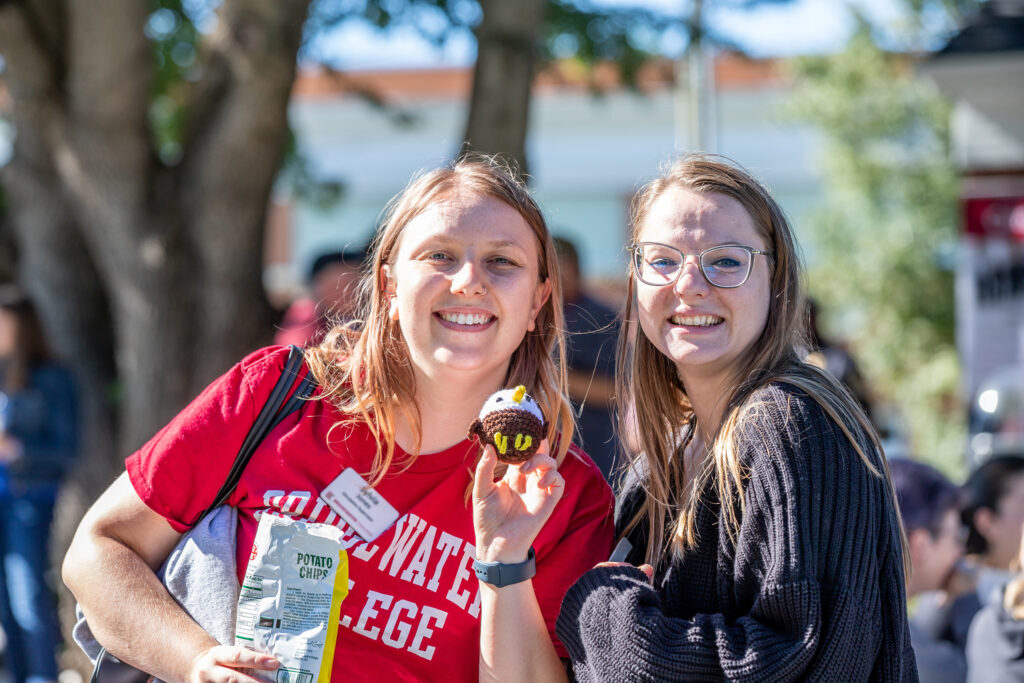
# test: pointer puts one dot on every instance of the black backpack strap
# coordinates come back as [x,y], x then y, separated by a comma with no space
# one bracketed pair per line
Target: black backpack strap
[281,403]
[302,392]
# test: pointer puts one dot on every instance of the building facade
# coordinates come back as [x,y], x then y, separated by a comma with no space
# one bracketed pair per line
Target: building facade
[591,143]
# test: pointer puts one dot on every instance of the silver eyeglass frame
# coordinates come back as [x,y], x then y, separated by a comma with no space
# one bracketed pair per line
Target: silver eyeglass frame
[635,248]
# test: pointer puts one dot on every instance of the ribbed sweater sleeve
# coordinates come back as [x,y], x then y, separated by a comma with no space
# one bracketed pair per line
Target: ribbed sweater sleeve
[799,590]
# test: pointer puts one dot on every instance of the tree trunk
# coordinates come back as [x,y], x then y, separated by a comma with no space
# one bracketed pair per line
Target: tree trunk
[225,163]
[499,105]
[179,250]
[147,277]
[57,272]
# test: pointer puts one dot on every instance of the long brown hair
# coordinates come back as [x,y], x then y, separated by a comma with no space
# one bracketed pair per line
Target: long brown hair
[364,366]
[30,347]
[664,417]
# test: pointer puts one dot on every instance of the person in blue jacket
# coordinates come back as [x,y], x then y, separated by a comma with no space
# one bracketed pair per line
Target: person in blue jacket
[38,438]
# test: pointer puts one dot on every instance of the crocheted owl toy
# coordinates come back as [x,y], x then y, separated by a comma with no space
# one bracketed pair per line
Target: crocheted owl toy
[513,423]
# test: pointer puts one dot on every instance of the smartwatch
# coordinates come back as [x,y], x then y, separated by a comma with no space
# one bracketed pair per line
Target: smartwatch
[500,574]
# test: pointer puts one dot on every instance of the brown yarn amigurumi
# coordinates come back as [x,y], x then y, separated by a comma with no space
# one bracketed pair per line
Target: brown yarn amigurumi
[513,423]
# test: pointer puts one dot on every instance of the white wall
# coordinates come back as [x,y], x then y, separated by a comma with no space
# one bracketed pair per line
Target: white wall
[587,155]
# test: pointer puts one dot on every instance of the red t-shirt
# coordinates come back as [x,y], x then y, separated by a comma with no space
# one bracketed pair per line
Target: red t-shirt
[413,608]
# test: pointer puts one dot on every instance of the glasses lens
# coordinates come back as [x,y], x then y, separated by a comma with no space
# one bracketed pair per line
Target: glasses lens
[657,264]
[726,266]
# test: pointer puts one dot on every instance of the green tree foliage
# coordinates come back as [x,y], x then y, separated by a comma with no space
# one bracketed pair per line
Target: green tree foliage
[576,29]
[880,260]
[625,37]
[174,37]
[570,29]
[174,29]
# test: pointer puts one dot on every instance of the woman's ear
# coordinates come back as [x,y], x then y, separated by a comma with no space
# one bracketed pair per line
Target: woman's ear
[387,284]
[984,521]
[540,297]
[387,280]
[920,543]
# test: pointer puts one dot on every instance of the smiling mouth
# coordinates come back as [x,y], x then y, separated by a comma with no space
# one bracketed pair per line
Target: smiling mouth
[467,319]
[696,320]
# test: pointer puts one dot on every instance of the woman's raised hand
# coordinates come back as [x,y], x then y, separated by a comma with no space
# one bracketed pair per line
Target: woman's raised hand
[509,513]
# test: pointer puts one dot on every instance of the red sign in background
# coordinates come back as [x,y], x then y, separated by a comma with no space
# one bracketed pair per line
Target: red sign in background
[995,217]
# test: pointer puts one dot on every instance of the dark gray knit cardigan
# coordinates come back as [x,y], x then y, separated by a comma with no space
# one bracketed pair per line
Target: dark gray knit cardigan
[812,589]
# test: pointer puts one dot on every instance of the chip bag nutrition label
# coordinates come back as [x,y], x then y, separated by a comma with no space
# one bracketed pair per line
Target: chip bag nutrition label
[291,597]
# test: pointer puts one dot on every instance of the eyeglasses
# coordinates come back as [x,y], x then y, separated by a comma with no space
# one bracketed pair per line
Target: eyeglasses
[726,266]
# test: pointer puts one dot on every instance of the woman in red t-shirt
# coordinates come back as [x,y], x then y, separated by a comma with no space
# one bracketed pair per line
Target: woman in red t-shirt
[460,299]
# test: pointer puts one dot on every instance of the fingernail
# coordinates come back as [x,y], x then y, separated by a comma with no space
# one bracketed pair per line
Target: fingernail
[271,662]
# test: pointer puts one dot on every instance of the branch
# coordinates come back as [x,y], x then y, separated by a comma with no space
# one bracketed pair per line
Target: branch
[109,65]
[106,156]
[243,107]
[367,91]
[206,94]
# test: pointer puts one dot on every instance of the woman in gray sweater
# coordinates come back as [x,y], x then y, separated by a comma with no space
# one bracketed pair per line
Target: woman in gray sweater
[760,511]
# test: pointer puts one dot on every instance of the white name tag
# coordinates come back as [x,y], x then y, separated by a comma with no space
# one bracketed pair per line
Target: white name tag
[361,507]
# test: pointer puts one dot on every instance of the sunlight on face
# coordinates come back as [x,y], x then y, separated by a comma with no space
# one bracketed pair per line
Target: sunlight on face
[703,329]
[465,286]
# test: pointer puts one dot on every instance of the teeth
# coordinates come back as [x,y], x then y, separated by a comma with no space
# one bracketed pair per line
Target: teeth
[466,318]
[696,320]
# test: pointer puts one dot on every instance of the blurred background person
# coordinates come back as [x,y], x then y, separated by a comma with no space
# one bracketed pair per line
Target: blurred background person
[333,297]
[38,437]
[836,359]
[993,513]
[995,642]
[592,331]
[929,505]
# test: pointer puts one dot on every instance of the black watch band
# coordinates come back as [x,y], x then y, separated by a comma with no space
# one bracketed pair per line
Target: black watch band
[500,574]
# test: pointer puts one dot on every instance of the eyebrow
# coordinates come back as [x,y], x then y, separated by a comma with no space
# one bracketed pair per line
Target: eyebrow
[733,243]
[727,243]
[493,244]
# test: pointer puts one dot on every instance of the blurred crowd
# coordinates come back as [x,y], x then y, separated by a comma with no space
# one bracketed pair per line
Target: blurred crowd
[966,591]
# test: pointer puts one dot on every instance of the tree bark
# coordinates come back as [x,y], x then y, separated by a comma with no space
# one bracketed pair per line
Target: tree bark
[499,105]
[147,277]
[179,250]
[235,154]
[55,267]
[57,271]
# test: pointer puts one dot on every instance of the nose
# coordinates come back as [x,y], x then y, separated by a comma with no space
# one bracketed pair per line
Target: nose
[468,280]
[691,280]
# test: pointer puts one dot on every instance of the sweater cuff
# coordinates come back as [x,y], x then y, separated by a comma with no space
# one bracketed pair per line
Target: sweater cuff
[587,588]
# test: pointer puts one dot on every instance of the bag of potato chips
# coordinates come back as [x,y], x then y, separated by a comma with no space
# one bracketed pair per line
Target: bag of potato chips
[291,597]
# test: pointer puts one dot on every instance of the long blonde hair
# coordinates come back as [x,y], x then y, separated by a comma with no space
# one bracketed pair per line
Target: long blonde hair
[664,418]
[364,366]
